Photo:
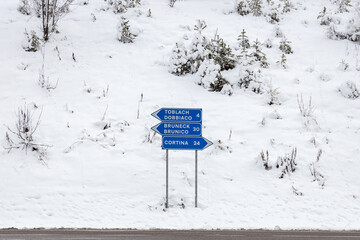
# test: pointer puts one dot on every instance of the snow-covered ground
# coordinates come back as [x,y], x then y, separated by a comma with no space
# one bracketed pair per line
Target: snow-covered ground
[115,178]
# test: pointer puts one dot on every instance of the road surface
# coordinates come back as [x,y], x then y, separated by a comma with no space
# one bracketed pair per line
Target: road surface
[65,234]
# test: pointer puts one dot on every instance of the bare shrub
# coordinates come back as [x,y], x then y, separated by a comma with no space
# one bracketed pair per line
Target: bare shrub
[50,12]
[265,159]
[222,146]
[287,163]
[24,131]
[149,137]
[296,191]
[44,81]
[307,111]
[314,170]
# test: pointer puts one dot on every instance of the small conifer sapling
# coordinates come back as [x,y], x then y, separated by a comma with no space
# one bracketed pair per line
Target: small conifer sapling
[221,53]
[243,8]
[243,40]
[283,61]
[198,49]
[285,46]
[32,42]
[256,7]
[124,34]
[258,55]
[179,61]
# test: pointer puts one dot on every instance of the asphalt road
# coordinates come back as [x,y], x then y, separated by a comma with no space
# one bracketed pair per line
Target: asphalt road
[59,234]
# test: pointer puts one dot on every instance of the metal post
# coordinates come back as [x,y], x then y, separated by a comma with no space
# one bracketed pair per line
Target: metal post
[196,175]
[167,179]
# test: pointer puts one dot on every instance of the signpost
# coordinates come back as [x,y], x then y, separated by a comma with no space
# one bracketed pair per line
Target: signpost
[185,143]
[181,129]
[177,128]
[178,114]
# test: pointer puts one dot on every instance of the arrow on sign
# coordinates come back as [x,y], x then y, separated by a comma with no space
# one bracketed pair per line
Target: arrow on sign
[185,143]
[178,114]
[178,128]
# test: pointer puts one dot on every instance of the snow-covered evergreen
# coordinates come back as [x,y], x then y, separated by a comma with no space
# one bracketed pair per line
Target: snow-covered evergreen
[124,34]
[179,62]
[31,42]
[221,53]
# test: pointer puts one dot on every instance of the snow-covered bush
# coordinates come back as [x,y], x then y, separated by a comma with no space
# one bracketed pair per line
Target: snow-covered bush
[123,31]
[243,8]
[256,7]
[31,42]
[271,9]
[273,16]
[343,5]
[24,7]
[120,6]
[326,17]
[198,49]
[211,78]
[342,19]
[249,79]
[179,62]
[207,58]
[349,90]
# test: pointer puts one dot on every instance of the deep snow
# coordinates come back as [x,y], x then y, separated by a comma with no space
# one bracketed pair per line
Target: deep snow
[115,178]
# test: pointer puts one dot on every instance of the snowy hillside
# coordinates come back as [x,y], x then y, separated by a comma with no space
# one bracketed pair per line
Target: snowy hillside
[286,133]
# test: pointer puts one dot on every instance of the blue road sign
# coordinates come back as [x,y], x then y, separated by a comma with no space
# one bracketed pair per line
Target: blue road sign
[178,114]
[185,143]
[178,128]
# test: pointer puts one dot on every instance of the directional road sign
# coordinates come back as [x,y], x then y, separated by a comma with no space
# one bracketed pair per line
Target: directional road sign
[178,128]
[185,143]
[178,114]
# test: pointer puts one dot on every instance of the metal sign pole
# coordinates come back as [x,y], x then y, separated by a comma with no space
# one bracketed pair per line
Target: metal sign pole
[196,175]
[167,179]
[181,129]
